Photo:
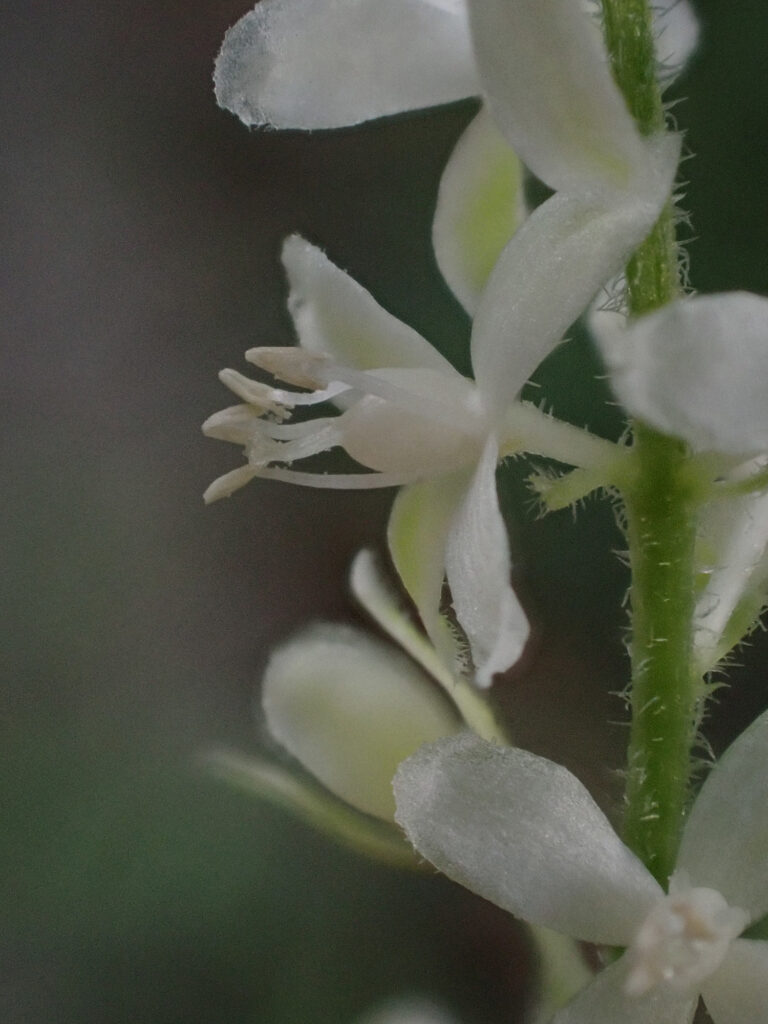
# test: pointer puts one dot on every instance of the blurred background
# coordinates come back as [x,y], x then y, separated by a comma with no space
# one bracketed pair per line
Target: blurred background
[143,227]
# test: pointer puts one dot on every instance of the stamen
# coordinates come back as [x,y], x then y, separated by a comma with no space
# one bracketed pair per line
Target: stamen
[683,941]
[334,389]
[338,481]
[234,424]
[227,484]
[260,396]
[307,440]
[293,365]
[294,431]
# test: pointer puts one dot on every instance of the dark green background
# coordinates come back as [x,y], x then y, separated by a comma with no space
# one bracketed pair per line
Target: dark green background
[140,256]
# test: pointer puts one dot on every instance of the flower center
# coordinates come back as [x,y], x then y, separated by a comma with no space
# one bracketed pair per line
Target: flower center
[682,941]
[433,423]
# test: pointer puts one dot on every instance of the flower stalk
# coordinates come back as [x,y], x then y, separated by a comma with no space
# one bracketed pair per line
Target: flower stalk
[661,517]
[665,691]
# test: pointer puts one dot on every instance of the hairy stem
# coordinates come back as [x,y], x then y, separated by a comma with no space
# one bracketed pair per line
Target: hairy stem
[661,518]
[665,690]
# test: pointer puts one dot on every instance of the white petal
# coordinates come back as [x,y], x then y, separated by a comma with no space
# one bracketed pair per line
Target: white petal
[337,317]
[524,833]
[725,839]
[605,1002]
[545,72]
[477,567]
[698,369]
[738,992]
[350,709]
[677,33]
[480,205]
[378,598]
[562,972]
[549,272]
[429,425]
[417,534]
[735,532]
[328,63]
[375,593]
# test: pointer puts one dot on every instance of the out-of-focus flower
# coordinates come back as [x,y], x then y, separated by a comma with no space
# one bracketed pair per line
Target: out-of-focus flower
[523,832]
[349,708]
[698,370]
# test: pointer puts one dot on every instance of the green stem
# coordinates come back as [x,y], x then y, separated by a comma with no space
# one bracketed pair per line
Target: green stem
[661,530]
[661,518]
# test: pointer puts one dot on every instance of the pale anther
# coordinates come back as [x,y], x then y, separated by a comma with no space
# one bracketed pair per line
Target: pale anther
[293,365]
[682,941]
[260,396]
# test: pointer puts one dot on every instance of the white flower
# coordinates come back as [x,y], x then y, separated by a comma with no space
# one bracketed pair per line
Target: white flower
[412,419]
[328,63]
[349,708]
[524,833]
[408,415]
[698,370]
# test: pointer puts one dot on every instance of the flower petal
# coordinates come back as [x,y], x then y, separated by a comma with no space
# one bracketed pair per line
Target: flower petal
[726,836]
[417,534]
[605,1002]
[677,34]
[738,992]
[480,205]
[417,422]
[698,369]
[350,709]
[337,317]
[551,269]
[477,568]
[736,533]
[327,63]
[545,72]
[376,595]
[524,833]
[562,972]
